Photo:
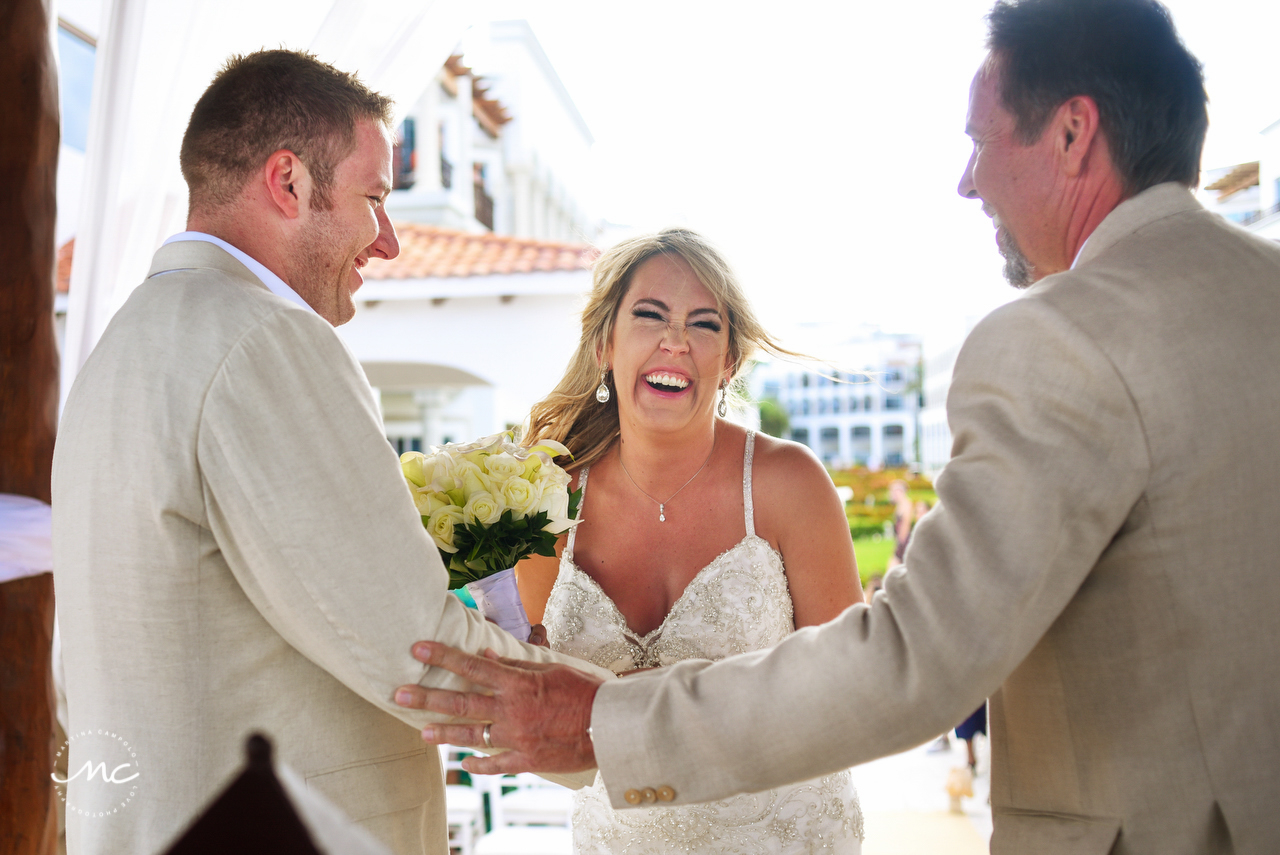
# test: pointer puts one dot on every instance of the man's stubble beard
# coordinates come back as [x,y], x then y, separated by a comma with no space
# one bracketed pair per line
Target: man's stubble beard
[1018,271]
[321,286]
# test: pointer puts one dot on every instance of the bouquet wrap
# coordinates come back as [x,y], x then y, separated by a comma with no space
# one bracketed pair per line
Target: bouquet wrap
[498,599]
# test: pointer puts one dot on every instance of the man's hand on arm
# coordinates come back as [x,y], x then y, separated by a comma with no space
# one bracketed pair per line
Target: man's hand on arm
[538,714]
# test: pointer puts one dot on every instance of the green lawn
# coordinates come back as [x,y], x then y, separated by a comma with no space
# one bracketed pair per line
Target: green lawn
[873,556]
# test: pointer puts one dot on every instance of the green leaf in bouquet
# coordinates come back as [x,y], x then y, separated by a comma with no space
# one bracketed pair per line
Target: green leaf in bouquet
[575,499]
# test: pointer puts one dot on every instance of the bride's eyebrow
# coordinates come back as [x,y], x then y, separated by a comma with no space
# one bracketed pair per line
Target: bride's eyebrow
[650,301]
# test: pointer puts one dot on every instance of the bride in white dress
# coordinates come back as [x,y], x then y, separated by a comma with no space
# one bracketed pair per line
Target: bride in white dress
[697,539]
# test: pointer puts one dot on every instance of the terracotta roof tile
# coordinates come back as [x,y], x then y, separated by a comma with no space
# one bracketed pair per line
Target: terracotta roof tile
[1241,177]
[428,252]
[431,251]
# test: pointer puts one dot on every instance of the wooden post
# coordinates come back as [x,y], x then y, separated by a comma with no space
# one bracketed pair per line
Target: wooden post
[28,414]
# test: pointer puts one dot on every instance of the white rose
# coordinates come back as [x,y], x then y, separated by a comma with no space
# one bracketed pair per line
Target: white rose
[521,497]
[440,526]
[428,502]
[471,479]
[551,478]
[504,466]
[483,507]
[555,501]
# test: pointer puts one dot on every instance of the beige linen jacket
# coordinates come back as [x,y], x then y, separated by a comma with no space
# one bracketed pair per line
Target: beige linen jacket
[234,551]
[1104,563]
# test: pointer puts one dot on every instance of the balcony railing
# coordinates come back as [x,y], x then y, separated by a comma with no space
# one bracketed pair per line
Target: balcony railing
[1253,216]
[484,207]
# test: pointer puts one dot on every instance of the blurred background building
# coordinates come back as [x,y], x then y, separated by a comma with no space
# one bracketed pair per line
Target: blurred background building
[863,409]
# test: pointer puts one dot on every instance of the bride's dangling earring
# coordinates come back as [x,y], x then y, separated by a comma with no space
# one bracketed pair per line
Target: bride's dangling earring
[602,391]
[722,408]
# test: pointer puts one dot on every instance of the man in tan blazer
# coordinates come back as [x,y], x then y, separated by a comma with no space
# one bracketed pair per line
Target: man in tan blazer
[234,549]
[1103,560]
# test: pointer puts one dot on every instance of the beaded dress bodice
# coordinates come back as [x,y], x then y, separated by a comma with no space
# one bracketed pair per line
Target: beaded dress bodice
[738,603]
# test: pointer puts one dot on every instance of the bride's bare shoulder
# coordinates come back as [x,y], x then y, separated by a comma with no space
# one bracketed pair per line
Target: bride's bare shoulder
[783,467]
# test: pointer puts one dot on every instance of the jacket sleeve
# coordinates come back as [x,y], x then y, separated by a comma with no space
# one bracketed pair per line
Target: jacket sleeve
[306,502]
[1048,459]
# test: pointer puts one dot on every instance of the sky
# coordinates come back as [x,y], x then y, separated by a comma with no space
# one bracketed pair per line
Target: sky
[819,144]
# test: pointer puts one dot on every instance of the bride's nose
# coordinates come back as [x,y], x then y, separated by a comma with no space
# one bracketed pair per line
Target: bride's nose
[675,339]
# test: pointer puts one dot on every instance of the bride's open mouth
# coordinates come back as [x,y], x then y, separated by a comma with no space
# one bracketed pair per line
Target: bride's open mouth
[670,384]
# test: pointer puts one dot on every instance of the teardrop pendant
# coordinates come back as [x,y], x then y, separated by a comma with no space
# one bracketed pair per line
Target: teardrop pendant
[662,517]
[602,393]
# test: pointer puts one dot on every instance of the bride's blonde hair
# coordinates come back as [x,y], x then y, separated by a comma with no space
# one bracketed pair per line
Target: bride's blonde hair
[571,414]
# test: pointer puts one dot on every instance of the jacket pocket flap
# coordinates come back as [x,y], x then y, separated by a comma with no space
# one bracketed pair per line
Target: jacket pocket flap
[382,786]
[1021,833]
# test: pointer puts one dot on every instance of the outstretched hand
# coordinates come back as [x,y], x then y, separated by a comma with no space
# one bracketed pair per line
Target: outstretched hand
[538,714]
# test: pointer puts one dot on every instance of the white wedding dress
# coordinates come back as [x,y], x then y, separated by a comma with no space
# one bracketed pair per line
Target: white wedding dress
[737,603]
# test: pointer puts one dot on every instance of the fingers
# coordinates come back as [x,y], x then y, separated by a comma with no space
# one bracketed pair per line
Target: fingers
[467,705]
[488,672]
[469,735]
[499,764]
[538,635]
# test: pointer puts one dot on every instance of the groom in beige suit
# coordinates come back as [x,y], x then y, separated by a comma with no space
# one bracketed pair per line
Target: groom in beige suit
[1105,559]
[234,549]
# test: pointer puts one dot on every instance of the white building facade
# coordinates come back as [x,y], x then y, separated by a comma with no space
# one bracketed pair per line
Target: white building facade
[495,144]
[476,320]
[862,411]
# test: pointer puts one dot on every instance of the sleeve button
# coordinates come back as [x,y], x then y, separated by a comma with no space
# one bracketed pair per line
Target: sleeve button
[632,797]
[648,795]
[666,794]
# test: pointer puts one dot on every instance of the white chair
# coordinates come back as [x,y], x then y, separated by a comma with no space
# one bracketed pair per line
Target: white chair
[526,840]
[532,819]
[534,801]
[464,806]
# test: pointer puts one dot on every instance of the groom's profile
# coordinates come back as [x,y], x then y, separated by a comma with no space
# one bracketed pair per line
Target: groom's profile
[1099,563]
[234,550]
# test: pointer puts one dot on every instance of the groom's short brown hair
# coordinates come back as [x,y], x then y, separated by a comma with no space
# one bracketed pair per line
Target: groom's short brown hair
[262,102]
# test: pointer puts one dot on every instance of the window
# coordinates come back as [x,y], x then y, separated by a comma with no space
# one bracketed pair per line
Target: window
[804,408]
[893,402]
[893,445]
[771,389]
[823,380]
[867,403]
[404,156]
[860,435]
[75,86]
[800,435]
[853,404]
[446,167]
[835,405]
[822,407]
[804,380]
[829,443]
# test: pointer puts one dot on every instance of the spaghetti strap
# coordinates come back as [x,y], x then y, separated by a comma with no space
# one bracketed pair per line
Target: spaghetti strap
[748,454]
[582,500]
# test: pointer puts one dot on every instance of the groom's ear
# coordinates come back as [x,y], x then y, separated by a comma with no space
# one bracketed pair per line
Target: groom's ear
[288,182]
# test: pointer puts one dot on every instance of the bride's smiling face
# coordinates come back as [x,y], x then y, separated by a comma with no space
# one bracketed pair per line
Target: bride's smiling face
[669,347]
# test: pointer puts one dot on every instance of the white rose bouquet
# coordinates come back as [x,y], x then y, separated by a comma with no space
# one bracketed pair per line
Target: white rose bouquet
[487,505]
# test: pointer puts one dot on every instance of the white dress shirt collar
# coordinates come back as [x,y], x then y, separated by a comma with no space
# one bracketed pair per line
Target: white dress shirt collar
[273,282]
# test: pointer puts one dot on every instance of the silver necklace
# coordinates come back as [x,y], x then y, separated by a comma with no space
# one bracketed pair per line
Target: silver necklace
[662,506]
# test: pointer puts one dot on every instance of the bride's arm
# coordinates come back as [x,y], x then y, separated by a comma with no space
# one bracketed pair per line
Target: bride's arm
[535,577]
[797,510]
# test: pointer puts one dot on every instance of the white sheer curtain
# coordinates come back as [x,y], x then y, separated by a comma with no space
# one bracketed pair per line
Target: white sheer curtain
[154,59]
